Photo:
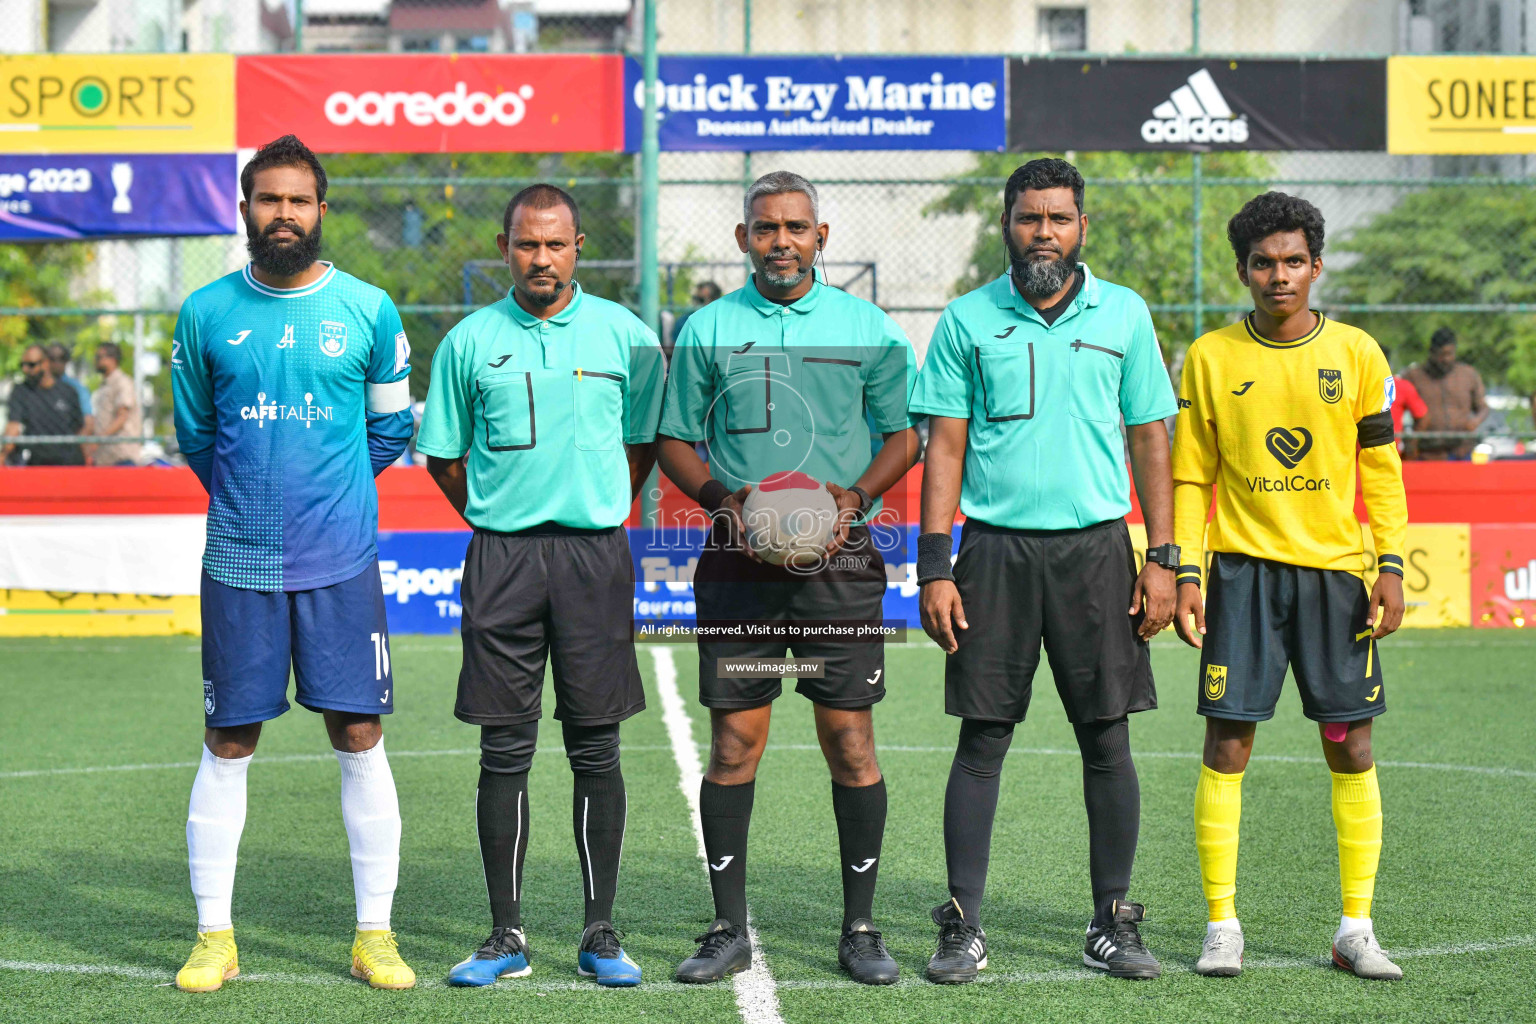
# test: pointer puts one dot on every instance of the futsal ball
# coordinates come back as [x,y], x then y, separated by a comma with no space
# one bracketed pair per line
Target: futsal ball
[789,519]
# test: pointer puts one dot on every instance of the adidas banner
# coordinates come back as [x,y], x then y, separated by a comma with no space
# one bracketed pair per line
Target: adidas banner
[1203,105]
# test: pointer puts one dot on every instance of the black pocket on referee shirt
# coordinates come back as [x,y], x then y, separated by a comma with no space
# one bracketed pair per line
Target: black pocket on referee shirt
[599,403]
[1005,375]
[1094,380]
[507,411]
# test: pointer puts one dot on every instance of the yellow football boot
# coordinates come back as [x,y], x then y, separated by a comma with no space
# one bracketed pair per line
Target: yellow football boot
[376,958]
[214,961]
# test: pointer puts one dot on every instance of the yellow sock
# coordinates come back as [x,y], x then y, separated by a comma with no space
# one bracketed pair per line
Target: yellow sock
[1218,810]
[1357,816]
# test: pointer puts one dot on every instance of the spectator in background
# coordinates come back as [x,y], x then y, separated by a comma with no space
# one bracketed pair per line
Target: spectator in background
[1453,393]
[117,408]
[1406,398]
[58,363]
[704,293]
[41,404]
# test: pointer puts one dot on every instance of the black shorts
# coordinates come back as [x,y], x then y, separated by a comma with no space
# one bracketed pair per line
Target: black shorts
[552,593]
[730,587]
[1069,588]
[1261,616]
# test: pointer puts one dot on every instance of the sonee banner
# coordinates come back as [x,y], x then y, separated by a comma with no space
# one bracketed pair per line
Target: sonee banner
[1196,105]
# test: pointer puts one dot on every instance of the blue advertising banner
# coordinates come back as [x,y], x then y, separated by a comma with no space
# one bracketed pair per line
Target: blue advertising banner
[98,195]
[781,103]
[421,572]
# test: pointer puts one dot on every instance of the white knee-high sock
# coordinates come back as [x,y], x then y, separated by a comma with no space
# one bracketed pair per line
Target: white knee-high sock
[371,812]
[215,819]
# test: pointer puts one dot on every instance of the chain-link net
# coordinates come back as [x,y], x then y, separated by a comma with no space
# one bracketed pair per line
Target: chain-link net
[1414,243]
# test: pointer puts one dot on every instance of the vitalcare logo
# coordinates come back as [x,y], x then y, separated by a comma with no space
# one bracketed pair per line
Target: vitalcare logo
[456,106]
[1195,112]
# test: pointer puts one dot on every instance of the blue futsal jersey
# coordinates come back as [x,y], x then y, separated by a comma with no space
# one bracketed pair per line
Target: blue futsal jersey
[288,403]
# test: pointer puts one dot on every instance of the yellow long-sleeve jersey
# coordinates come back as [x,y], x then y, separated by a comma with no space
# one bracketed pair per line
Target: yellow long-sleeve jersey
[1275,427]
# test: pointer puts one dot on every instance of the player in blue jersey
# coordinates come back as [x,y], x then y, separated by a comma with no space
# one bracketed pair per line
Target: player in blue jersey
[291,393]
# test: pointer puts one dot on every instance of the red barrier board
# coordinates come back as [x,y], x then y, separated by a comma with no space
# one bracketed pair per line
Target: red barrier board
[1438,492]
[408,103]
[1504,575]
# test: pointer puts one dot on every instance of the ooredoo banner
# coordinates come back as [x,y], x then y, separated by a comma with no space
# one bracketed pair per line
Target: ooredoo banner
[407,103]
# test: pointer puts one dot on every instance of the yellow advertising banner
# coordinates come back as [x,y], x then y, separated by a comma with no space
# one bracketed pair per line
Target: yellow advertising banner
[47,613]
[1468,105]
[1437,575]
[117,103]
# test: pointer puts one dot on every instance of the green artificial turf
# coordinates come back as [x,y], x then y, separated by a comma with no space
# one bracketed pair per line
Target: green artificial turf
[95,912]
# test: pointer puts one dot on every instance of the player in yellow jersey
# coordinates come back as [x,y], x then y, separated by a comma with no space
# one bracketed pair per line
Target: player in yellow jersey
[1276,412]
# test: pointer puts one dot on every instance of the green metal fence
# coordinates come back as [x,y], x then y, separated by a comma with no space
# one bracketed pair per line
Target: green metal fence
[1414,243]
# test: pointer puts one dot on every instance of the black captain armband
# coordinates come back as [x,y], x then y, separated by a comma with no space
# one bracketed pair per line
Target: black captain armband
[1390,563]
[712,495]
[933,557]
[1375,430]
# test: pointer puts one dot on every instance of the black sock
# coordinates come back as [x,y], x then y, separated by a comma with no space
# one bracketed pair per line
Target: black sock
[860,812]
[726,814]
[501,815]
[970,804]
[1112,794]
[599,806]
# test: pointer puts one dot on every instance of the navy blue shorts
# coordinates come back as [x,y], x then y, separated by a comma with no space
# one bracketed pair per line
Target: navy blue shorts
[335,638]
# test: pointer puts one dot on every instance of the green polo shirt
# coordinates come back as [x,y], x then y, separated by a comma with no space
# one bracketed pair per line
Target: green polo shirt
[774,388]
[1044,450]
[544,408]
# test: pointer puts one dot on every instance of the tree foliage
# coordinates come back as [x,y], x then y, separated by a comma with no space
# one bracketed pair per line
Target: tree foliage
[33,276]
[415,241]
[1141,226]
[1461,244]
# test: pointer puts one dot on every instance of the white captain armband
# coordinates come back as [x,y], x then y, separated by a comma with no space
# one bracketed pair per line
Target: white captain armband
[391,397]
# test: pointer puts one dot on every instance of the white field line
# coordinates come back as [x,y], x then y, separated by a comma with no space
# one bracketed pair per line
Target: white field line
[885,748]
[757,998]
[989,977]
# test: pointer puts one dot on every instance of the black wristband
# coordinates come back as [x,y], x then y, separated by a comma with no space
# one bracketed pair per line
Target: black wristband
[865,501]
[933,557]
[712,495]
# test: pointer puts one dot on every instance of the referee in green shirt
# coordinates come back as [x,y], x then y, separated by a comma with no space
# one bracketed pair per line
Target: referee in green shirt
[540,427]
[777,377]
[1026,382]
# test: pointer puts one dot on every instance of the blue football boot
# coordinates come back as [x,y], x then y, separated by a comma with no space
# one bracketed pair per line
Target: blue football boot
[504,955]
[602,958]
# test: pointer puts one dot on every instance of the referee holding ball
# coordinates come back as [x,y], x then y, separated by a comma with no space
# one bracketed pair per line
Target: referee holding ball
[540,427]
[777,377]
[1026,382]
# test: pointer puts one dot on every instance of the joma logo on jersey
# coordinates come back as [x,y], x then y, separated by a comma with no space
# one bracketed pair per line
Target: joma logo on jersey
[1215,682]
[263,411]
[1330,385]
[333,337]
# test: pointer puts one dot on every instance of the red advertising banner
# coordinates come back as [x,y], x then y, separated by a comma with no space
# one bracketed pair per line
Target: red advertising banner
[1504,575]
[408,103]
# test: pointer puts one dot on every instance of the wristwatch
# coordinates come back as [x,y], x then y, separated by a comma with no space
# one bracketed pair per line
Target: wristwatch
[865,501]
[1165,555]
